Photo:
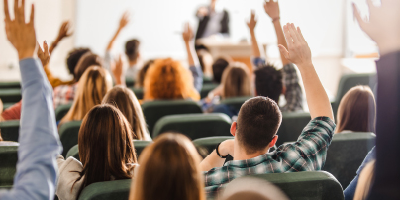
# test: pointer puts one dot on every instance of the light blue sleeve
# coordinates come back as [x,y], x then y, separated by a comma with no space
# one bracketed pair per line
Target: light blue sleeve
[39,142]
[197,77]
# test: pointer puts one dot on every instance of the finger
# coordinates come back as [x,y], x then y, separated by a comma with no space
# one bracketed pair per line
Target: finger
[32,20]
[294,33]
[6,11]
[361,22]
[39,48]
[46,48]
[22,10]
[370,5]
[288,37]
[16,12]
[300,34]
[283,51]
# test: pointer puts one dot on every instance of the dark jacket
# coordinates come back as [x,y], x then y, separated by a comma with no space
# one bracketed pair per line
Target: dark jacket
[204,21]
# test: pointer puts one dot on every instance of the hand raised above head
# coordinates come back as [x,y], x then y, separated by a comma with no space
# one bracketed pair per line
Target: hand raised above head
[253,22]
[272,9]
[44,56]
[21,35]
[187,34]
[124,20]
[118,70]
[65,30]
[383,25]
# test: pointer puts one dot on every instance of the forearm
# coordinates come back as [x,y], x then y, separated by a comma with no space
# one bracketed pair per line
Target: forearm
[317,99]
[211,161]
[281,39]
[111,43]
[53,45]
[254,45]
[193,60]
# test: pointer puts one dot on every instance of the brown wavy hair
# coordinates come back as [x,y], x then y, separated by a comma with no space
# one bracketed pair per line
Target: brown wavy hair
[167,79]
[236,81]
[125,100]
[173,161]
[357,110]
[142,74]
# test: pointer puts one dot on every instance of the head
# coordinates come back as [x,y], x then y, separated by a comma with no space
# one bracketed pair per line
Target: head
[236,81]
[125,100]
[92,88]
[257,124]
[167,79]
[86,61]
[73,58]
[218,69]
[132,50]
[105,145]
[142,73]
[357,110]
[173,160]
[268,82]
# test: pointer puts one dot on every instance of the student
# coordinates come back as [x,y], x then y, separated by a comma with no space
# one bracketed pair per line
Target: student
[92,88]
[269,81]
[167,79]
[258,122]
[206,61]
[125,100]
[173,161]
[356,111]
[106,153]
[36,169]
[219,67]
[65,94]
[142,74]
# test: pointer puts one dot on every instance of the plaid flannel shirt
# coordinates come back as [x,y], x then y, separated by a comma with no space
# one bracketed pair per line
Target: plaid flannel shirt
[64,94]
[294,93]
[307,154]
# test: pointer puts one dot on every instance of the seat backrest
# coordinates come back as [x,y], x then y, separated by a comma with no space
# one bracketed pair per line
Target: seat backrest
[69,135]
[10,130]
[139,146]
[155,110]
[61,111]
[207,88]
[350,80]
[306,185]
[139,92]
[207,145]
[10,95]
[115,190]
[194,125]
[235,102]
[130,81]
[9,85]
[346,153]
[292,126]
[8,164]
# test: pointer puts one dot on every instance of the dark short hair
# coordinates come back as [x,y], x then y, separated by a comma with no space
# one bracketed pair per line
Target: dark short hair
[258,122]
[218,68]
[132,49]
[142,73]
[87,60]
[268,82]
[73,58]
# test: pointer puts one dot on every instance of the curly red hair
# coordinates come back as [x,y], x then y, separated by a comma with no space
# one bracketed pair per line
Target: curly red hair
[168,79]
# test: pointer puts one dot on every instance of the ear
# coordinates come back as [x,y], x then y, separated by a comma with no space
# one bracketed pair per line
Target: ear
[273,141]
[233,128]
[283,89]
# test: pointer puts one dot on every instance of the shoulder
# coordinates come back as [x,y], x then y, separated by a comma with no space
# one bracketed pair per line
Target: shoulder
[70,180]
[321,124]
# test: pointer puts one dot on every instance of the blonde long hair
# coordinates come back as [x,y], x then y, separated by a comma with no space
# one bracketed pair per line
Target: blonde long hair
[125,100]
[169,169]
[365,181]
[236,81]
[167,79]
[92,87]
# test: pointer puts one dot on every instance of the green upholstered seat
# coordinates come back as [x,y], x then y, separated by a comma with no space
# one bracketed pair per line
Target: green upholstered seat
[319,185]
[350,80]
[69,135]
[346,153]
[207,80]
[194,125]
[10,130]
[8,163]
[139,92]
[9,85]
[139,146]
[207,88]
[115,190]
[292,126]
[10,95]
[235,102]
[207,145]
[130,82]
[61,111]
[155,110]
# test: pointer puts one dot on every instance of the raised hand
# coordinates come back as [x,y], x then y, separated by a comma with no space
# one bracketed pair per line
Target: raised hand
[253,22]
[124,20]
[44,56]
[118,70]
[65,31]
[187,34]
[383,26]
[298,51]
[272,9]
[21,35]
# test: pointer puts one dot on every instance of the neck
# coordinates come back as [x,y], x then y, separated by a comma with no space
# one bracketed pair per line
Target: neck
[240,153]
[131,63]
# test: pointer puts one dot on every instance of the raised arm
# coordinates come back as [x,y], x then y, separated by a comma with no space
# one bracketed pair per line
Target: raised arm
[193,60]
[272,10]
[64,32]
[299,54]
[122,24]
[39,142]
[254,44]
